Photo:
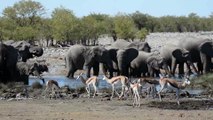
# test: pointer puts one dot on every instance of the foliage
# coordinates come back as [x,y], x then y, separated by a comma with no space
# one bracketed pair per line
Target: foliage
[25,21]
[124,27]
[64,24]
[141,34]
[205,82]
[21,19]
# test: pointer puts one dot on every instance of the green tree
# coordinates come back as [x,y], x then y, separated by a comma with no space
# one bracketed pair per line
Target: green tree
[141,34]
[124,27]
[25,15]
[64,24]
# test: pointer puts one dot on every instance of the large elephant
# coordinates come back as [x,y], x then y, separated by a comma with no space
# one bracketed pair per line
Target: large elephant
[174,55]
[140,46]
[26,50]
[79,56]
[121,59]
[11,55]
[201,51]
[147,64]
[24,69]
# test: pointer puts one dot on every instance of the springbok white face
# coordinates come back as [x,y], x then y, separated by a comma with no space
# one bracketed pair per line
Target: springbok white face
[104,78]
[187,80]
[161,76]
[79,76]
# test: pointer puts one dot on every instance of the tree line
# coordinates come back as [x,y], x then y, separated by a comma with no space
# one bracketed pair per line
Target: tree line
[26,20]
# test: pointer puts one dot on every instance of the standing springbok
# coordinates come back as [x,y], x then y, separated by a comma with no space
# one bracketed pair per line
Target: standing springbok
[90,81]
[167,82]
[53,86]
[115,80]
[135,88]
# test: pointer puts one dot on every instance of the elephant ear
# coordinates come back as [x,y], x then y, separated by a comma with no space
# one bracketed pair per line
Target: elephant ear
[130,54]
[206,48]
[177,54]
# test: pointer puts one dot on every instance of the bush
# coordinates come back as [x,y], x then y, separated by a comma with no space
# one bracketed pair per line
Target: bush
[205,82]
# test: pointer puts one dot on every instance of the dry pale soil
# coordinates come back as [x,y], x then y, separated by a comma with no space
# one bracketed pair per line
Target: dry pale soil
[101,108]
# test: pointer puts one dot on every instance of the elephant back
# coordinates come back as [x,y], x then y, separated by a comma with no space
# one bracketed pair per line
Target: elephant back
[120,44]
[140,46]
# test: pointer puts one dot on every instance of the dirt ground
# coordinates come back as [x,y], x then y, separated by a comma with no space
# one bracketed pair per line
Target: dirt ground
[102,109]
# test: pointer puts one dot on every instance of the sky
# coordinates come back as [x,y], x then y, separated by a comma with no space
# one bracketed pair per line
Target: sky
[157,8]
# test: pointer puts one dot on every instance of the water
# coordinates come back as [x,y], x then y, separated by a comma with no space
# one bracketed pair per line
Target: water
[72,83]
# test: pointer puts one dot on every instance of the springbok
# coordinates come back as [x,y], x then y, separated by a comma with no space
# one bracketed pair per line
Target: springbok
[167,82]
[53,86]
[90,81]
[135,88]
[152,82]
[115,80]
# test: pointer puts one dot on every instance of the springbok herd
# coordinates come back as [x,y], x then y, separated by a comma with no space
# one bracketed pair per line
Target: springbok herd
[127,86]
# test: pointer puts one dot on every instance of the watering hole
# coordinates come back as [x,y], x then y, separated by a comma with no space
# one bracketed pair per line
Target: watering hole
[74,84]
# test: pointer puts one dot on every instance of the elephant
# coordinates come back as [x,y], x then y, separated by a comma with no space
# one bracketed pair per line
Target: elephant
[147,64]
[121,59]
[24,69]
[174,55]
[26,50]
[11,55]
[79,56]
[140,46]
[201,51]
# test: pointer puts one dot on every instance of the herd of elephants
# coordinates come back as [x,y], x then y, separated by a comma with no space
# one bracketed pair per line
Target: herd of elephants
[132,59]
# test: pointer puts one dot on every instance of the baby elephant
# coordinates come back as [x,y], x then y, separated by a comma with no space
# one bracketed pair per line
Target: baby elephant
[24,69]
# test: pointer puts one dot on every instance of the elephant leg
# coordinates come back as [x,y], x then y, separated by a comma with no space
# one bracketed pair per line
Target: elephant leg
[71,73]
[206,65]
[96,69]
[72,70]
[181,68]
[174,65]
[88,68]
[200,67]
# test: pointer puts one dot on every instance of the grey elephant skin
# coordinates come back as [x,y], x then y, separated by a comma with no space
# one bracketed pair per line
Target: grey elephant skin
[79,56]
[9,58]
[123,53]
[140,46]
[175,55]
[201,51]
[147,64]
[26,50]
[24,69]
